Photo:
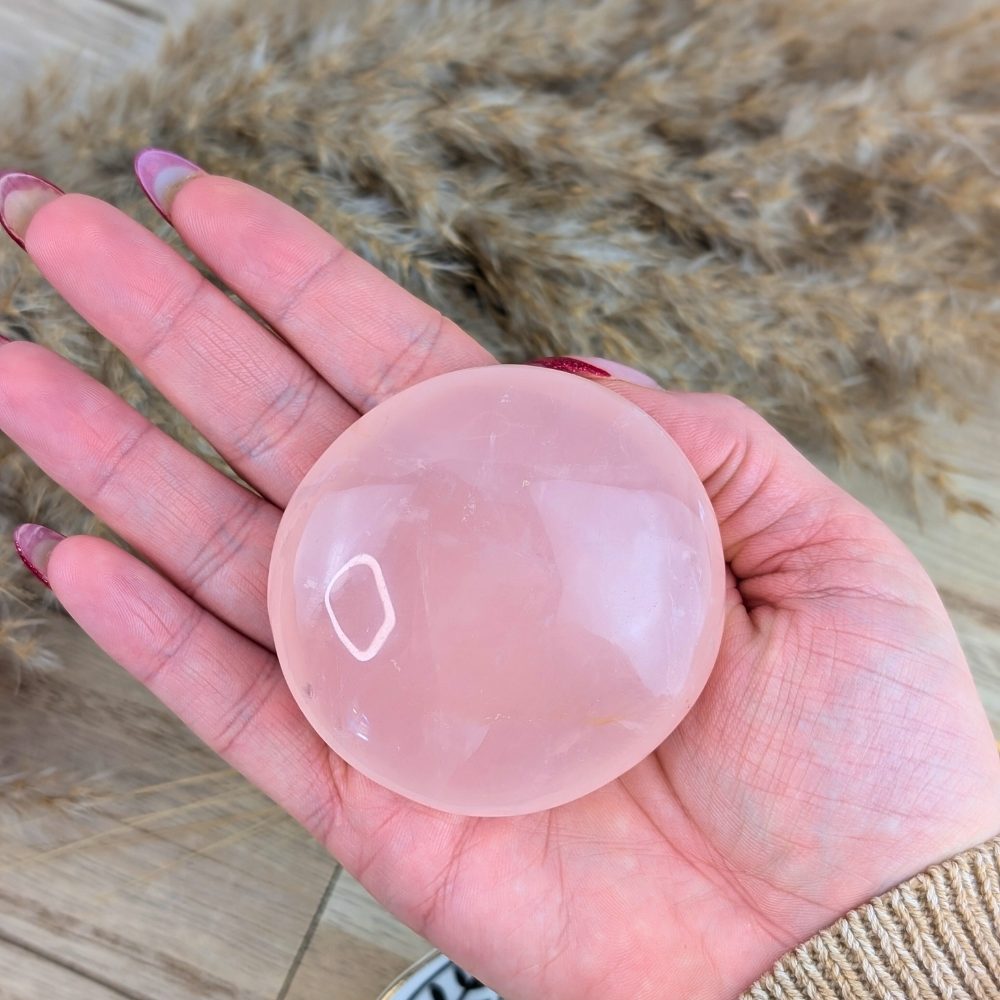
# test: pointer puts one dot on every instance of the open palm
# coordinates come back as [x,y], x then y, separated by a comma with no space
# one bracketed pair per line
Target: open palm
[839,747]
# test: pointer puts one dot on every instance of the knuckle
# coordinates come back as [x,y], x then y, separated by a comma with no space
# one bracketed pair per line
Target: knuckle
[169,638]
[120,456]
[224,552]
[171,312]
[239,718]
[405,367]
[321,271]
[279,418]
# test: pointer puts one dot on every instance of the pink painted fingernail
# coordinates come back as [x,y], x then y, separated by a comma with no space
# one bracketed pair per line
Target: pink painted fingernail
[572,365]
[34,544]
[162,174]
[4,340]
[21,196]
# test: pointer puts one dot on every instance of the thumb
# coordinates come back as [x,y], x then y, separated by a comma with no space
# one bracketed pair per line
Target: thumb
[788,532]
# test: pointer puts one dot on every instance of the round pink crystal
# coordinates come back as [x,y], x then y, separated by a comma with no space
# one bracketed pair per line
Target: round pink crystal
[498,590]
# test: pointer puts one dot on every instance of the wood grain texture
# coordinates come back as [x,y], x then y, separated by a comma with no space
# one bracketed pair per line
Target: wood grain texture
[25,976]
[130,852]
[99,38]
[357,949]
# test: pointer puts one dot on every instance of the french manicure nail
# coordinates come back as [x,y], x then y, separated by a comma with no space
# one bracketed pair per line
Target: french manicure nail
[21,196]
[161,175]
[34,544]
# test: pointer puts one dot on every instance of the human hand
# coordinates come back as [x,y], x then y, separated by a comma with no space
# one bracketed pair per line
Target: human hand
[838,748]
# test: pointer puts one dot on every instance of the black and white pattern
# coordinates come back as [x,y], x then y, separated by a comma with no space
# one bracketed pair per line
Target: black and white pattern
[438,978]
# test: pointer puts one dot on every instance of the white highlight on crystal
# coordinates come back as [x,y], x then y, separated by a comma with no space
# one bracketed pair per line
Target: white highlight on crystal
[388,623]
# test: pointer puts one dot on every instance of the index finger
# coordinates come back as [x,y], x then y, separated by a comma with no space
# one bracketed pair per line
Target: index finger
[365,334]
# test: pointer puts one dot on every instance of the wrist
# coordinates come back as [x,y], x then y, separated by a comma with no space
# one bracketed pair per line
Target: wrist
[935,935]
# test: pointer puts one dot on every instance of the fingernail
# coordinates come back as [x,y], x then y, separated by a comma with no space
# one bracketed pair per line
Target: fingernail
[600,367]
[4,340]
[625,373]
[21,196]
[161,175]
[34,544]
[572,365]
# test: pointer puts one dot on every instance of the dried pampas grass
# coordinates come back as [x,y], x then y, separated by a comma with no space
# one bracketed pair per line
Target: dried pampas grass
[794,202]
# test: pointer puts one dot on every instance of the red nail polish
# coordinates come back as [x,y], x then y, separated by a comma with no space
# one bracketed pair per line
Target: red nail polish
[34,544]
[572,365]
[21,196]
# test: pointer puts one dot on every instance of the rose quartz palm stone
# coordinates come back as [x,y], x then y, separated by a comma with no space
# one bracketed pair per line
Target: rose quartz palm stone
[498,590]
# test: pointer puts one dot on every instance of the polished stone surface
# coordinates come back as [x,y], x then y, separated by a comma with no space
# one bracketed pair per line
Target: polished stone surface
[498,590]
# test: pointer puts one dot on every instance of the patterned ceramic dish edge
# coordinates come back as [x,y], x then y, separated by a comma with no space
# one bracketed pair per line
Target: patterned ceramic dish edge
[435,977]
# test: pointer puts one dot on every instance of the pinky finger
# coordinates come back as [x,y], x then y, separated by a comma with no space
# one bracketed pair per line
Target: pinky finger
[226,688]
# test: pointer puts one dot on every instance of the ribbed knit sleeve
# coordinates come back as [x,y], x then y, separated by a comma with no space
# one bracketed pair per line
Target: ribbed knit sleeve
[935,936]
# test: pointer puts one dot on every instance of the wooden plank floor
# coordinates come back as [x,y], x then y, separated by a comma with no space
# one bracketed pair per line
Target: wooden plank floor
[356,950]
[101,36]
[24,974]
[132,856]
[134,863]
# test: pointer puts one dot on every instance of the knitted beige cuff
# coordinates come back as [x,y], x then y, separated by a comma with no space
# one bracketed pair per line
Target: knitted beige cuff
[935,936]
